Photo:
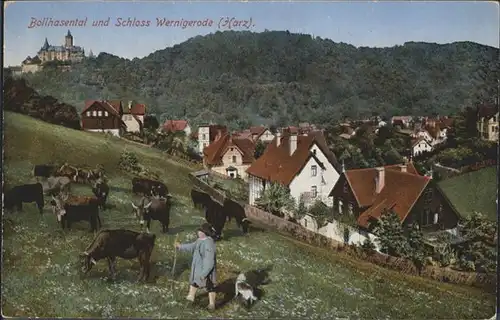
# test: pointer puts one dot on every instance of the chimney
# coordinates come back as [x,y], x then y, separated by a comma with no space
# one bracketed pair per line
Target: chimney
[379,179]
[129,105]
[402,167]
[293,143]
[278,138]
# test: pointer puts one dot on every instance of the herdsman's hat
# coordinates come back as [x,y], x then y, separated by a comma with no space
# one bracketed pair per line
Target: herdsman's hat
[207,229]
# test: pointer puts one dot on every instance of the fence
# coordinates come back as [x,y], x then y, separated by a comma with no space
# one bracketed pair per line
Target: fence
[481,280]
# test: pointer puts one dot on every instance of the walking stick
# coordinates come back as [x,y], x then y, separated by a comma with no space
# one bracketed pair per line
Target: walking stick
[175,255]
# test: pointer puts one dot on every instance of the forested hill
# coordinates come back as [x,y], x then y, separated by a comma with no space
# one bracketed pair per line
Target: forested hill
[281,77]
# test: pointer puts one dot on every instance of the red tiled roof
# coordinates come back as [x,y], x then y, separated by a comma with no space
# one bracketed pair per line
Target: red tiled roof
[102,104]
[116,104]
[257,130]
[245,134]
[362,181]
[137,109]
[400,192]
[214,152]
[175,125]
[433,131]
[277,165]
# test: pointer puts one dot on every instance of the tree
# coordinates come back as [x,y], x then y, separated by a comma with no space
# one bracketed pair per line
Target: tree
[275,199]
[391,235]
[320,212]
[260,147]
[480,244]
[301,209]
[151,122]
[416,245]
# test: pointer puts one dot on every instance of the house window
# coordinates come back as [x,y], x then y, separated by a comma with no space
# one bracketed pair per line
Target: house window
[346,189]
[314,170]
[314,191]
[94,113]
[234,159]
[105,113]
[314,151]
[427,217]
[305,223]
[88,113]
[231,174]
[204,137]
[231,149]
[428,197]
[99,113]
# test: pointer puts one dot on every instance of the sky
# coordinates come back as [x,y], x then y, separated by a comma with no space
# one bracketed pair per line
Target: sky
[371,24]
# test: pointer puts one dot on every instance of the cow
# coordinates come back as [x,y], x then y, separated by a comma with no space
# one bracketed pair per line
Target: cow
[55,185]
[110,244]
[73,209]
[26,193]
[43,170]
[153,209]
[94,175]
[149,187]
[200,198]
[101,190]
[81,176]
[233,209]
[67,171]
[215,215]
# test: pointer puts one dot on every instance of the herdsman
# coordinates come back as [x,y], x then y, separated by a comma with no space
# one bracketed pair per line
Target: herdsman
[203,267]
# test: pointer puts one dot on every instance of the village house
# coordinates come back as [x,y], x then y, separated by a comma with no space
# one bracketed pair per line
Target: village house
[347,131]
[229,156]
[177,126]
[133,116]
[303,163]
[401,121]
[420,146]
[103,116]
[367,193]
[487,122]
[208,134]
[261,134]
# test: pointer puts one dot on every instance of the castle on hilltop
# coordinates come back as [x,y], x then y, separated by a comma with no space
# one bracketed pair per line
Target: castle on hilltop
[66,53]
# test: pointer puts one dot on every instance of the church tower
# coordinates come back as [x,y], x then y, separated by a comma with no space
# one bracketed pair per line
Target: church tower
[68,43]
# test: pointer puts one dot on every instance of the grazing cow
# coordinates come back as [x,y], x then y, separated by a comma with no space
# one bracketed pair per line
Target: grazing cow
[82,176]
[101,190]
[149,187]
[67,171]
[236,210]
[153,209]
[215,215]
[200,198]
[110,244]
[24,193]
[43,170]
[55,185]
[72,209]
[94,175]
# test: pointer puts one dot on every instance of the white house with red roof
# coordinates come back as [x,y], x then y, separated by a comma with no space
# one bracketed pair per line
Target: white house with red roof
[133,116]
[303,163]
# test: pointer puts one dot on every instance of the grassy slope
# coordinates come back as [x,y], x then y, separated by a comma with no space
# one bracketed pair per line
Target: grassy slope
[471,191]
[40,277]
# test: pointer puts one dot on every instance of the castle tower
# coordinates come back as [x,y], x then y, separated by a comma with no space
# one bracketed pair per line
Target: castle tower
[91,54]
[68,40]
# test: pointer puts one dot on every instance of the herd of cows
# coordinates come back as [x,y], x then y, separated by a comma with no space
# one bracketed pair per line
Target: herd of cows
[155,204]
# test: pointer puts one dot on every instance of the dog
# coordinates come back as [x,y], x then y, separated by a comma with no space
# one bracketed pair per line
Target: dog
[244,289]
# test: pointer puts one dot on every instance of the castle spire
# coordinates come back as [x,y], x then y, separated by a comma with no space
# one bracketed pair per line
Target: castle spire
[45,45]
[69,34]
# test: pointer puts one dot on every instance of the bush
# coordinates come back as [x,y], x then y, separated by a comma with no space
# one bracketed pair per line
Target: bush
[129,162]
[466,265]
[368,246]
[446,256]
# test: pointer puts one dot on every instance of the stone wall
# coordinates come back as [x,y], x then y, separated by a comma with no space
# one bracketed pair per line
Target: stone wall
[481,280]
